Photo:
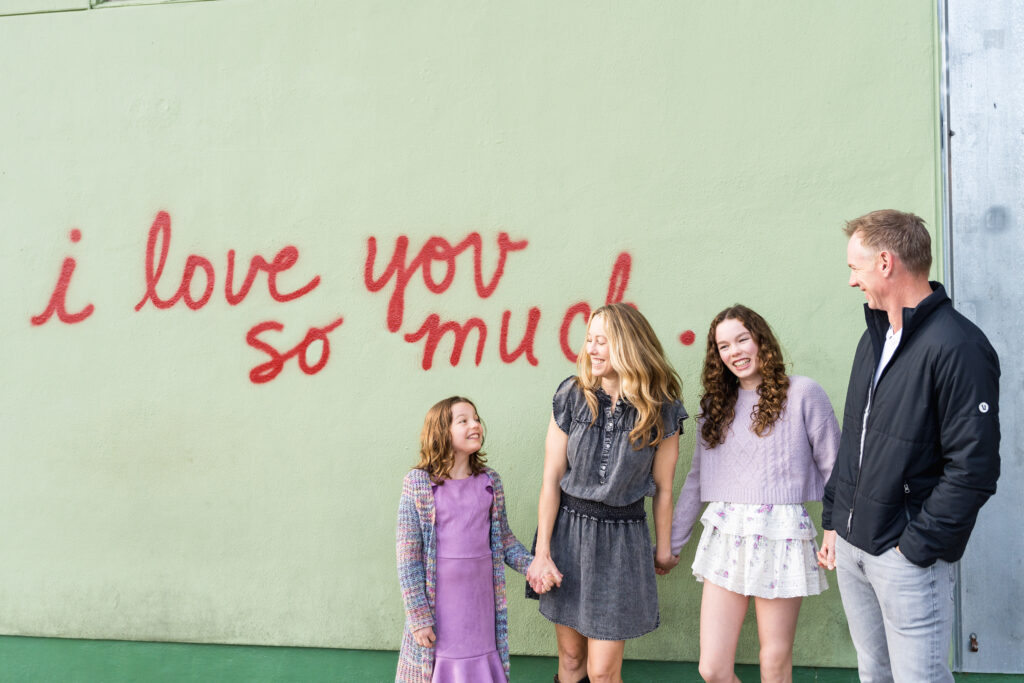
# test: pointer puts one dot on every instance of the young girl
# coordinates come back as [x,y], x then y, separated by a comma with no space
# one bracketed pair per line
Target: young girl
[612,440]
[453,539]
[767,443]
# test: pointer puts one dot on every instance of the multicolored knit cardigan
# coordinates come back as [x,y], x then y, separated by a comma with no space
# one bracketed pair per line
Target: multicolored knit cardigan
[416,548]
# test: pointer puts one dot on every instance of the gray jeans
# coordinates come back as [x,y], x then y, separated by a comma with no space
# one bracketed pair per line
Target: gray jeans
[900,615]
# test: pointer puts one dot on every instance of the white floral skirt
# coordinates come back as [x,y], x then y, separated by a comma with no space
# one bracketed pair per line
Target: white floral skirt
[767,551]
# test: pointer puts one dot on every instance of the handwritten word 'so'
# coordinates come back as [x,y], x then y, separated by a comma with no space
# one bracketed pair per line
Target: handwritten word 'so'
[272,368]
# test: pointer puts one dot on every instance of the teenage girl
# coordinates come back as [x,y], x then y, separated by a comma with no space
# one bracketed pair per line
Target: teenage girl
[766,444]
[453,542]
[612,440]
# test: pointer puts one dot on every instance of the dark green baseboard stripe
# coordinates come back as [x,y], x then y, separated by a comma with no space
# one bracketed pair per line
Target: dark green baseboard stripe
[56,660]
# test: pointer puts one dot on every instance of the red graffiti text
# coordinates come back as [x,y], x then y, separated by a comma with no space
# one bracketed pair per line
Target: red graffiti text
[270,369]
[434,250]
[160,235]
[617,284]
[60,291]
[433,330]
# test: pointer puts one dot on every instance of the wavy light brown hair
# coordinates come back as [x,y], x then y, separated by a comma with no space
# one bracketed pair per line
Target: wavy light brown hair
[646,378]
[721,386]
[437,457]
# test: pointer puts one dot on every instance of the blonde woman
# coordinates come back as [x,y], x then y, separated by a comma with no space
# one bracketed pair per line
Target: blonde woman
[612,440]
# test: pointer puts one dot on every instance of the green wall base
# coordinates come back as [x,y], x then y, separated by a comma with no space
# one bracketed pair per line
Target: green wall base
[32,660]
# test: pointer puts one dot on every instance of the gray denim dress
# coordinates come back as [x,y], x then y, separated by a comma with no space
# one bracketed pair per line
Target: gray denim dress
[600,541]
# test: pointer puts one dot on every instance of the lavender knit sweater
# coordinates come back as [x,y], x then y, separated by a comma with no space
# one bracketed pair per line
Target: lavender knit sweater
[789,465]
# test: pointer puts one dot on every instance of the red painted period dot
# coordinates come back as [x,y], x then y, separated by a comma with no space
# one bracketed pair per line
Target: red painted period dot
[687,337]
[76,234]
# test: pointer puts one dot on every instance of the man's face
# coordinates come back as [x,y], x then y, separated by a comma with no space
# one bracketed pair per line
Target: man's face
[864,271]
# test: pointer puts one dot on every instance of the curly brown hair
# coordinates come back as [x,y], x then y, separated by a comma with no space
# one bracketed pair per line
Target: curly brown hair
[721,386]
[436,454]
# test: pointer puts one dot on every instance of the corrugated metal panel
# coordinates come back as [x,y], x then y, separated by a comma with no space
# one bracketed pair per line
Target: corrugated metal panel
[985,54]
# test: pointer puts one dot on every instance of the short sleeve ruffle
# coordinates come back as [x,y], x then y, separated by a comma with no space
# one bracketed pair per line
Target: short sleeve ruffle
[564,401]
[672,416]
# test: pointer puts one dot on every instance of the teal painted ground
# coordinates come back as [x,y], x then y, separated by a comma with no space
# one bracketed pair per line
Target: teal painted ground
[32,660]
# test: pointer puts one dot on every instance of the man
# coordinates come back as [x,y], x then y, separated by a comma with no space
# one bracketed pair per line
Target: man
[918,456]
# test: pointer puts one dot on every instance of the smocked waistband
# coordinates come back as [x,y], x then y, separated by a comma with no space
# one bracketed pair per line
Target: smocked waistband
[634,512]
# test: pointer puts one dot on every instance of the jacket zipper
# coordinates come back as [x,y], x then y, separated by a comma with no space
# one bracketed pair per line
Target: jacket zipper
[860,457]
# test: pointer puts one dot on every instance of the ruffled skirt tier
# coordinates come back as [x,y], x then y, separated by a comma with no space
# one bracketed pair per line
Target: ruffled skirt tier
[767,551]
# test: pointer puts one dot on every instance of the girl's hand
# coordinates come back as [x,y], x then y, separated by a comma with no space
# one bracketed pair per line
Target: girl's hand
[549,583]
[827,553]
[546,583]
[543,575]
[424,637]
[663,565]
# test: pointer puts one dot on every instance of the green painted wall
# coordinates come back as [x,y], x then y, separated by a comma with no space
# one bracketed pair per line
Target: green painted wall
[151,491]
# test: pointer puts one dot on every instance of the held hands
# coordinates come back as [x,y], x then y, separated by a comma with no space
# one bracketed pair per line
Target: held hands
[827,553]
[424,637]
[663,564]
[543,575]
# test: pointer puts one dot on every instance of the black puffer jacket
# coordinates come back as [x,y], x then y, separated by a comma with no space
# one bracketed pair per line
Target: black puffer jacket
[930,453]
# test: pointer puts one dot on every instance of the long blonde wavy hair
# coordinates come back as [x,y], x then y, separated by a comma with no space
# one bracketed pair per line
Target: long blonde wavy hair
[437,457]
[646,378]
[721,386]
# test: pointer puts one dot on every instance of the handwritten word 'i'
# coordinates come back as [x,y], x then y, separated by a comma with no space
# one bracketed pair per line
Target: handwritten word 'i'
[58,300]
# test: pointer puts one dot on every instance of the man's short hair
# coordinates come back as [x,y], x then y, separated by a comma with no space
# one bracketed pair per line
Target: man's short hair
[902,233]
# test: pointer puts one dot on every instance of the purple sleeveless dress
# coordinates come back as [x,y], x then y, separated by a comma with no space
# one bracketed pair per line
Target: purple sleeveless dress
[466,650]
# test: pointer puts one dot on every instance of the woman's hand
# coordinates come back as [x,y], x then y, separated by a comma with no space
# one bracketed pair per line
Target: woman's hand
[664,564]
[543,575]
[424,637]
